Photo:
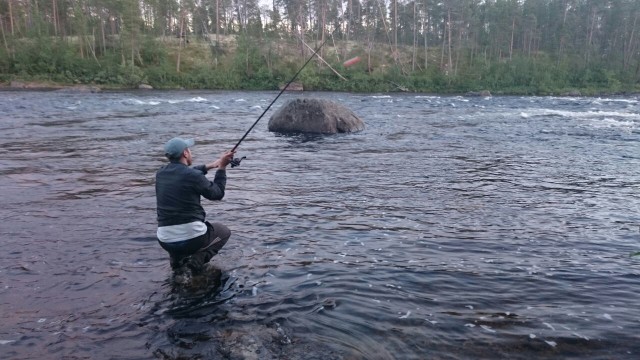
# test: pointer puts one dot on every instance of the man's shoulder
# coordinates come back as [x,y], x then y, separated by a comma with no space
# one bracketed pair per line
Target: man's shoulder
[173,169]
[166,169]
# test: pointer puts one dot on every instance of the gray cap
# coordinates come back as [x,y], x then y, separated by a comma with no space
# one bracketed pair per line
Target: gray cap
[173,148]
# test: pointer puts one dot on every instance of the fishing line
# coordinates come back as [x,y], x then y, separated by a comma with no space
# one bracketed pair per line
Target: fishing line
[236,161]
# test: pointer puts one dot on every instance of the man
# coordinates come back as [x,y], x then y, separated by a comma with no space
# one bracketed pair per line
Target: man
[182,230]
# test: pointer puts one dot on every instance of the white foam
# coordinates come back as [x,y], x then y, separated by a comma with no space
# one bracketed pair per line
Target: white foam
[591,114]
[607,316]
[551,343]
[5,342]
[549,326]
[195,99]
[628,101]
[140,102]
[613,123]
[581,336]
[405,315]
[487,328]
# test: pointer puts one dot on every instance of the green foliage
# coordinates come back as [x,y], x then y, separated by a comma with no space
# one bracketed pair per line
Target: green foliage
[153,53]
[5,63]
[263,78]
[254,65]
[162,76]
[247,59]
[53,60]
[210,78]
[312,79]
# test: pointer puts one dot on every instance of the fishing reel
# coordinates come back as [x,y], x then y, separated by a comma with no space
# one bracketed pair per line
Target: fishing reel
[236,161]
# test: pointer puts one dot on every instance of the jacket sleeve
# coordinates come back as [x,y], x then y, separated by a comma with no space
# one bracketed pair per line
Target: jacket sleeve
[212,190]
[201,168]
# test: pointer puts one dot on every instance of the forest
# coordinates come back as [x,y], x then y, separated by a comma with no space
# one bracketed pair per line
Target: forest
[532,47]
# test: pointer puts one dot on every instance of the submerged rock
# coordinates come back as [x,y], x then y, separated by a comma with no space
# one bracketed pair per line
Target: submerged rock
[316,116]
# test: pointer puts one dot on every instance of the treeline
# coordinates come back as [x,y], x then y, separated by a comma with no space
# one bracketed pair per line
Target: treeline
[508,46]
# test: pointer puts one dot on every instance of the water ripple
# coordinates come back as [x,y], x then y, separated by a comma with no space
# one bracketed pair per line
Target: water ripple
[451,227]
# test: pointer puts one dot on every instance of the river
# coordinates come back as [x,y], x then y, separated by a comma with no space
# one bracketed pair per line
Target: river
[450,228]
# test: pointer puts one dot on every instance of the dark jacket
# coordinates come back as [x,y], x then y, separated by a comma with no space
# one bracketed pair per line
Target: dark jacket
[178,191]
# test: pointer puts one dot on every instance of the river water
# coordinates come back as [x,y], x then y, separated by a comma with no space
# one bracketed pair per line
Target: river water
[451,228]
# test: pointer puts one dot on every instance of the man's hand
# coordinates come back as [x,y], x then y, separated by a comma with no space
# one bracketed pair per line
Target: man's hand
[222,162]
[225,159]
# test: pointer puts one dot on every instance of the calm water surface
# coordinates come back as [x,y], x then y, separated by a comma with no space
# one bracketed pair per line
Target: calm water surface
[451,228]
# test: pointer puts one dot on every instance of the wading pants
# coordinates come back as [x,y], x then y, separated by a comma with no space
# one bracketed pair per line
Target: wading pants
[196,252]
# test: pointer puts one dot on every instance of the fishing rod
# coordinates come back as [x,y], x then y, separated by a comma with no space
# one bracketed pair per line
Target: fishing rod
[236,161]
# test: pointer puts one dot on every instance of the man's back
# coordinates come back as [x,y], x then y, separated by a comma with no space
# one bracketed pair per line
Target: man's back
[178,194]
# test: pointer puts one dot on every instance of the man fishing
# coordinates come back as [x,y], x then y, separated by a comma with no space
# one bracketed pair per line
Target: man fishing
[183,232]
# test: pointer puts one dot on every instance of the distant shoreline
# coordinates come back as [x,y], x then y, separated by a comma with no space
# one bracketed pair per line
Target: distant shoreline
[18,85]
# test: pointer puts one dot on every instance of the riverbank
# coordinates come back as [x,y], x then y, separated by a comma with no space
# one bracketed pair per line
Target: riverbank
[17,85]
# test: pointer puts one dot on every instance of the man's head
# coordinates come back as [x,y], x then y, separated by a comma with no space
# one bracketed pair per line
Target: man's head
[178,148]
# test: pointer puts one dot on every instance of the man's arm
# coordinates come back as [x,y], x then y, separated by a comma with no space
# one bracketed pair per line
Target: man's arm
[213,190]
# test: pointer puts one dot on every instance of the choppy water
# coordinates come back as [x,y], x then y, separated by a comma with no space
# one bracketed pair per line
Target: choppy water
[451,228]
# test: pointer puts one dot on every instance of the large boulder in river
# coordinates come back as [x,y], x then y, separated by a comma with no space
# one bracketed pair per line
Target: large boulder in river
[316,116]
